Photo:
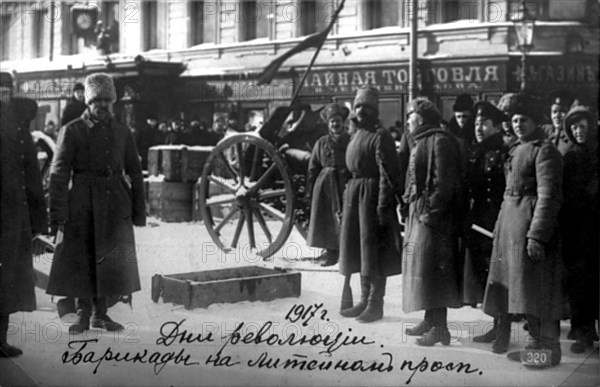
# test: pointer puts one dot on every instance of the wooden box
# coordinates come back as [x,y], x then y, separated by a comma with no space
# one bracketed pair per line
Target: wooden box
[247,283]
[176,201]
[192,162]
[171,161]
[153,194]
[154,161]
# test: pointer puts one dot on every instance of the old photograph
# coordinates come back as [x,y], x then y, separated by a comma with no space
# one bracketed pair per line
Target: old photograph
[299,193]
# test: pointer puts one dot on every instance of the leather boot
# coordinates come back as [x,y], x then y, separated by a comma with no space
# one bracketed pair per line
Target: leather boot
[374,310]
[6,350]
[422,327]
[439,333]
[489,336]
[502,334]
[347,301]
[101,320]
[550,339]
[84,310]
[356,310]
[534,338]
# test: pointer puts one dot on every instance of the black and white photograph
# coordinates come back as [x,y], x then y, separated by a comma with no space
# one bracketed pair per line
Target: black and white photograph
[299,193]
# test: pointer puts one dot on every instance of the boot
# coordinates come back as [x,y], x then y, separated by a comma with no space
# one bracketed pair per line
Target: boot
[550,339]
[439,333]
[374,310]
[6,350]
[84,310]
[347,301]
[502,334]
[101,320]
[489,336]
[356,310]
[422,327]
[331,258]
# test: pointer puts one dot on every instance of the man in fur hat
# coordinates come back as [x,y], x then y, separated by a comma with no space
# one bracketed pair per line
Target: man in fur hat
[96,197]
[526,274]
[461,124]
[370,240]
[23,208]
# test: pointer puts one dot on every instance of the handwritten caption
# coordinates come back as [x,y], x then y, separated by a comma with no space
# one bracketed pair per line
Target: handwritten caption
[175,342]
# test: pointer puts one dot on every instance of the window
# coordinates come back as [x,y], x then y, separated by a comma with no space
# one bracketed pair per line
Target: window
[254,21]
[110,20]
[197,22]
[448,11]
[39,34]
[153,24]
[314,16]
[380,13]
[5,28]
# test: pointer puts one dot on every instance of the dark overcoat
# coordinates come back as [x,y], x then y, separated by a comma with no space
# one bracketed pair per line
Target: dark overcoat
[327,176]
[485,188]
[430,263]
[532,199]
[97,192]
[23,214]
[366,246]
[558,137]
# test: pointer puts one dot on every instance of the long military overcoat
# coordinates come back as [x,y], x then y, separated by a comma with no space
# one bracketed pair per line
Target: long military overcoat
[98,205]
[23,213]
[430,263]
[368,246]
[532,199]
[327,176]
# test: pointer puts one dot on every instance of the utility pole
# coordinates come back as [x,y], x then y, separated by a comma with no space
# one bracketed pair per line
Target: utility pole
[414,41]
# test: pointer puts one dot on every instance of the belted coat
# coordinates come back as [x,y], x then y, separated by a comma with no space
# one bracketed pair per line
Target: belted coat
[367,245]
[327,176]
[430,258]
[532,200]
[23,213]
[97,192]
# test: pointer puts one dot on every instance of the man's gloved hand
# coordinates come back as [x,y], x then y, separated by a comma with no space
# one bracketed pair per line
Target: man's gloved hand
[535,250]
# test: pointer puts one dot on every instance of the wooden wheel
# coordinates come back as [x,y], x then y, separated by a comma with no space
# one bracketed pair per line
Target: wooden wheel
[245,185]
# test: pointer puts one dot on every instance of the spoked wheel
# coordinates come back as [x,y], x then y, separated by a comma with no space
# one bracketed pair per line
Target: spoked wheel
[245,185]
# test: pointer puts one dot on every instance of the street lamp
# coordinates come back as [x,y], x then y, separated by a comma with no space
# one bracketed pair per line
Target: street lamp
[524,23]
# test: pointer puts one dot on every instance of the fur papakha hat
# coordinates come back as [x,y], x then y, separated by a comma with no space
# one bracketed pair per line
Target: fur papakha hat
[426,109]
[463,102]
[334,109]
[99,85]
[367,95]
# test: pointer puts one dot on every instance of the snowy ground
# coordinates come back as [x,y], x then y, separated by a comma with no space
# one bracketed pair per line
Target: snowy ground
[216,352]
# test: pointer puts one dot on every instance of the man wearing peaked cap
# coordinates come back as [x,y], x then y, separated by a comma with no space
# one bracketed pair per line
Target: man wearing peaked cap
[94,154]
[560,102]
[76,105]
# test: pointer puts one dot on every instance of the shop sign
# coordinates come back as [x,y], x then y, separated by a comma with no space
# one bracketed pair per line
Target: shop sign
[580,73]
[391,79]
[241,90]
[45,89]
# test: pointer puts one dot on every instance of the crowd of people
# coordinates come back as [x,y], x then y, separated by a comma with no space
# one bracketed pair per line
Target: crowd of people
[498,207]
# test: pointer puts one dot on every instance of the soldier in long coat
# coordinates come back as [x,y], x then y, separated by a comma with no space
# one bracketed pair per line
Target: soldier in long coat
[97,257]
[23,212]
[526,269]
[430,263]
[327,176]
[485,187]
[370,238]
[578,220]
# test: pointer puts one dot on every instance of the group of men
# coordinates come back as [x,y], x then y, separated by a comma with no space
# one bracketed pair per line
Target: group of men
[528,192]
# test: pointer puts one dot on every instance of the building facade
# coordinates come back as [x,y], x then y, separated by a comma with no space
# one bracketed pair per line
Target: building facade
[197,58]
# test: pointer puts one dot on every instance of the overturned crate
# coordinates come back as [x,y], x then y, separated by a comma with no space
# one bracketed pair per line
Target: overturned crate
[247,283]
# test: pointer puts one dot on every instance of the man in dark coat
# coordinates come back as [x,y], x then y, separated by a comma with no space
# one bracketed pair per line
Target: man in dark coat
[147,137]
[578,219]
[96,196]
[526,269]
[430,263]
[370,238]
[461,124]
[485,188]
[76,105]
[23,212]
[326,180]
[560,102]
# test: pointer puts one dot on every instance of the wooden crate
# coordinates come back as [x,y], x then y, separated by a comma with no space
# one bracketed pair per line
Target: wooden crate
[171,162]
[153,193]
[247,283]
[176,201]
[155,161]
[192,162]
